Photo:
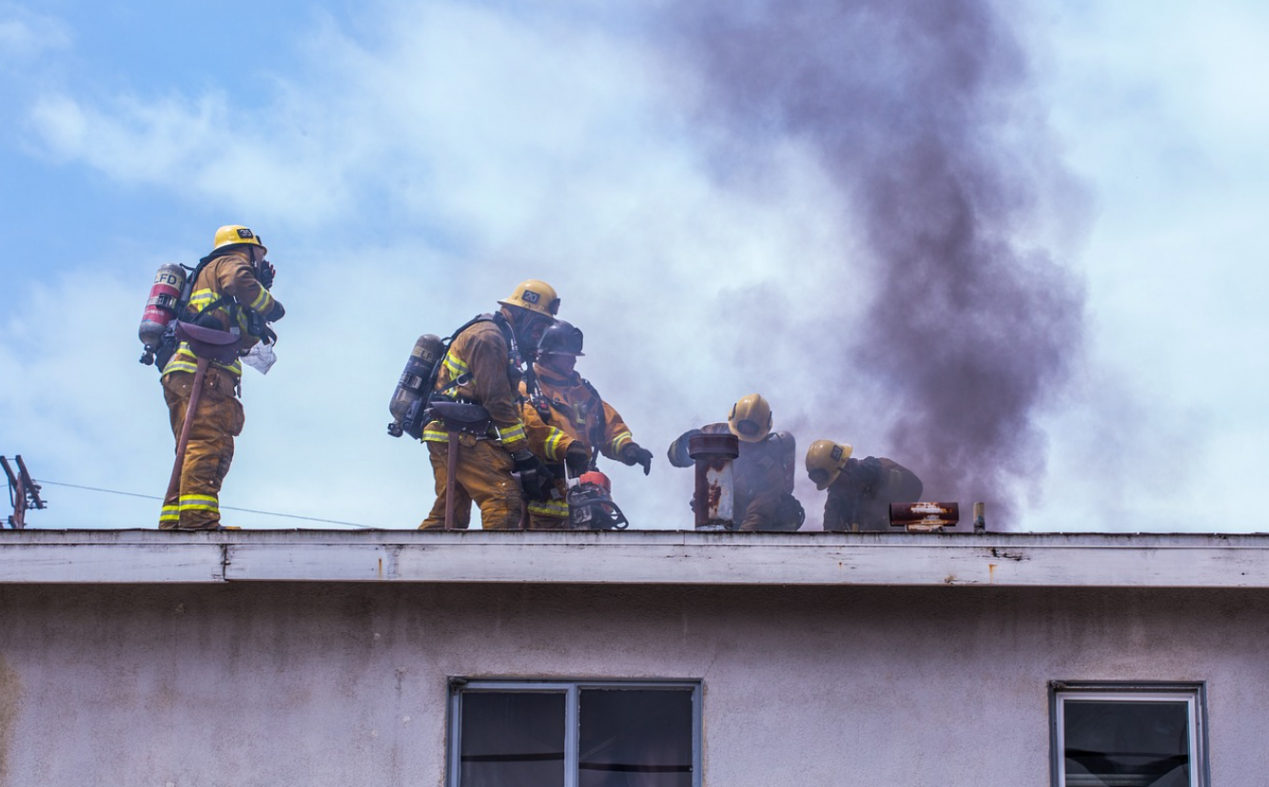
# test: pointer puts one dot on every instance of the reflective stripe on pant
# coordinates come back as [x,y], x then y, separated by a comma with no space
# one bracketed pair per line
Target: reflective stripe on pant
[551,514]
[483,475]
[217,421]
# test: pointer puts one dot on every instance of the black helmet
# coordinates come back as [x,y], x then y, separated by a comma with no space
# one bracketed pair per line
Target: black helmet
[561,338]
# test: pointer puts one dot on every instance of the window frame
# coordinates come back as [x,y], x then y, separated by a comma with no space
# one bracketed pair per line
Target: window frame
[1194,694]
[571,688]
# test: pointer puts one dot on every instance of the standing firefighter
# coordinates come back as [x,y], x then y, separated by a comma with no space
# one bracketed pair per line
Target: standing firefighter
[229,291]
[859,492]
[482,369]
[581,423]
[764,470]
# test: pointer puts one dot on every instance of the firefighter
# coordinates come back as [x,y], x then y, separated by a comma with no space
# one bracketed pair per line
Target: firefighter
[483,366]
[229,291]
[859,492]
[763,473]
[580,423]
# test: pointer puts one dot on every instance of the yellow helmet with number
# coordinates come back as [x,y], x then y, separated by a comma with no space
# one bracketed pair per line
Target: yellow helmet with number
[825,460]
[536,296]
[750,418]
[233,234]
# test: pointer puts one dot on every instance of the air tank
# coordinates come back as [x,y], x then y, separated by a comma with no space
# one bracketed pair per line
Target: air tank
[160,307]
[412,387]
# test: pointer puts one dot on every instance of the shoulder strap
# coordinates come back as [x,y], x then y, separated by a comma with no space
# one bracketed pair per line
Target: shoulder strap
[436,370]
[601,426]
[223,300]
[477,319]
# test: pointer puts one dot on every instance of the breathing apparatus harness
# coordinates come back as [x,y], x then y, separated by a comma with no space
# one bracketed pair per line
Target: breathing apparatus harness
[590,503]
[256,325]
[466,377]
[424,395]
[545,405]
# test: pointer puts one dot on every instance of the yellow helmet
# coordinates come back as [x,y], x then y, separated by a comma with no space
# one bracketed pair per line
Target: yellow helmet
[233,234]
[825,460]
[750,418]
[536,296]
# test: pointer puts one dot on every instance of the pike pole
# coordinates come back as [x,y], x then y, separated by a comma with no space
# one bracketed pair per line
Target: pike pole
[174,485]
[451,461]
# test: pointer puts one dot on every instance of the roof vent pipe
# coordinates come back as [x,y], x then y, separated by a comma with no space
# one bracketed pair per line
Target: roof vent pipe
[714,503]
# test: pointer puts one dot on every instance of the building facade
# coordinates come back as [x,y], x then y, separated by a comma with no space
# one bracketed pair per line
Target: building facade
[654,659]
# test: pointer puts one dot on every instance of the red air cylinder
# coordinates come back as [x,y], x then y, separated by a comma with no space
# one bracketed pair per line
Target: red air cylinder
[160,307]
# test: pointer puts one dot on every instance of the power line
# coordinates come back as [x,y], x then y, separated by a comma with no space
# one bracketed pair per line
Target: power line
[226,508]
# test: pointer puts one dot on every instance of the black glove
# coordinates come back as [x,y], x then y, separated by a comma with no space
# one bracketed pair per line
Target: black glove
[577,459]
[276,313]
[265,273]
[635,454]
[535,476]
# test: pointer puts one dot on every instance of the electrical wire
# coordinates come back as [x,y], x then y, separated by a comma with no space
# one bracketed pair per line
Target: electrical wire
[224,508]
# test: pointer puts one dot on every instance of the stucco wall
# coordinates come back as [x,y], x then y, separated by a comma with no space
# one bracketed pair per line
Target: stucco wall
[345,684]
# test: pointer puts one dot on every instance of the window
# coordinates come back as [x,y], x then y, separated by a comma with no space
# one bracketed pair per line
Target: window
[1128,735]
[574,734]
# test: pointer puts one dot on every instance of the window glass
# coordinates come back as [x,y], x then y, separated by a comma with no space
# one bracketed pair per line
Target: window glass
[1126,742]
[512,739]
[559,733]
[635,738]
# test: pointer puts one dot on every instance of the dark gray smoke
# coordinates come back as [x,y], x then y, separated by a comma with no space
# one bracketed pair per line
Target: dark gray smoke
[922,114]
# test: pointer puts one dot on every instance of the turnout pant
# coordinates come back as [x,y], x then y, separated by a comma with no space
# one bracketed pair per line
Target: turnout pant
[217,421]
[551,514]
[482,475]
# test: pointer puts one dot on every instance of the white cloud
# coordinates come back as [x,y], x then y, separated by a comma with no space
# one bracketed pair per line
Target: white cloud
[459,110]
[25,34]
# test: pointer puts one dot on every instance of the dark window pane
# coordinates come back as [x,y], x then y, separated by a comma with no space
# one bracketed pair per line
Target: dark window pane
[512,739]
[635,738]
[1126,743]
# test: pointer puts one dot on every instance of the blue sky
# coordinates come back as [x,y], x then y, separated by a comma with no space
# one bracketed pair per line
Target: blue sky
[408,163]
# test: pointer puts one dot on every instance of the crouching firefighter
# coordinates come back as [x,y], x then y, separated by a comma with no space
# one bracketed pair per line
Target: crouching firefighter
[229,306]
[763,472]
[859,491]
[580,426]
[475,433]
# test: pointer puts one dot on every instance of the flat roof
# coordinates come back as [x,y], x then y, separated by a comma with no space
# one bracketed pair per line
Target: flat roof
[638,558]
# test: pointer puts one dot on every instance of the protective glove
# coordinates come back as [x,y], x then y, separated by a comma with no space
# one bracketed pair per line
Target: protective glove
[276,313]
[535,476]
[635,454]
[577,459]
[265,273]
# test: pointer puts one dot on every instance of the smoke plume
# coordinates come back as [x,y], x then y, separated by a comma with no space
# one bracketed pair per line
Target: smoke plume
[922,115]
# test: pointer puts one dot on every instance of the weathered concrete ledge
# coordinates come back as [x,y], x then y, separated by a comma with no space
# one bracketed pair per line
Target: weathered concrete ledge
[637,558]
